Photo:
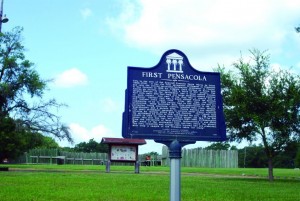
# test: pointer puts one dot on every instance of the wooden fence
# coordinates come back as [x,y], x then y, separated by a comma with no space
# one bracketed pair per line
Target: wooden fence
[55,156]
[199,157]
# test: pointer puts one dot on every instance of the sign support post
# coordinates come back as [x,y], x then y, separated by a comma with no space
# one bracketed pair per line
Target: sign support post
[175,170]
[175,147]
[175,190]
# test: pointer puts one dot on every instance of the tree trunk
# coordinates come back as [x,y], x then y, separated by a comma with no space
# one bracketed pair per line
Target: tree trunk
[270,167]
[269,152]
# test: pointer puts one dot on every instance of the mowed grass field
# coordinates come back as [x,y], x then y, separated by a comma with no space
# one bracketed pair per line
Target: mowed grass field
[83,182]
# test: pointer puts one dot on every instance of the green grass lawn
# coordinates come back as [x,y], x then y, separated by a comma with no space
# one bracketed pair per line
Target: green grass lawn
[258,172]
[77,182]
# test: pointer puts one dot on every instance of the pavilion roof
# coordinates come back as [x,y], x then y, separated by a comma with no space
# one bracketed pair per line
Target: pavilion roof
[107,140]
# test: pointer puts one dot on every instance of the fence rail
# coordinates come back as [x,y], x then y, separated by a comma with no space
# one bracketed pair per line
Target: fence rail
[199,157]
[55,156]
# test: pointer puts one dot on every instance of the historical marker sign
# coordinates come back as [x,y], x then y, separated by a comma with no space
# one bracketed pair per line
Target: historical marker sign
[173,101]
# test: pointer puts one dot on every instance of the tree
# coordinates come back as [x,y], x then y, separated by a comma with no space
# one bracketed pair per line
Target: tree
[152,153]
[10,142]
[286,158]
[91,146]
[297,159]
[261,104]
[48,143]
[22,90]
[14,142]
[255,157]
[218,146]
[233,147]
[252,157]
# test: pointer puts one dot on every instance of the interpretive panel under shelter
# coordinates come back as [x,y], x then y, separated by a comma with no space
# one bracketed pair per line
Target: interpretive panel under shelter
[121,149]
[172,100]
[124,153]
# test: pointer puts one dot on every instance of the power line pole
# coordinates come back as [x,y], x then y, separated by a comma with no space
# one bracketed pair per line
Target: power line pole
[245,153]
[2,19]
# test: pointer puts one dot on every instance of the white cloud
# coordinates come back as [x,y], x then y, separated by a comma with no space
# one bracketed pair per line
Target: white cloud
[79,133]
[82,134]
[204,22]
[298,65]
[129,12]
[276,67]
[108,105]
[100,131]
[86,13]
[70,78]
[207,29]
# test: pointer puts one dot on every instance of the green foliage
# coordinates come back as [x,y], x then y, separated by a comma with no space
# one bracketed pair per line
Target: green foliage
[21,116]
[47,143]
[152,153]
[261,104]
[297,159]
[17,75]
[91,146]
[7,137]
[233,147]
[253,157]
[67,149]
[15,141]
[218,146]
[287,157]
[18,78]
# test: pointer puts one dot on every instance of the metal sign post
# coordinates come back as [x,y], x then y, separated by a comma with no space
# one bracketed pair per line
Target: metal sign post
[175,172]
[175,147]
[175,181]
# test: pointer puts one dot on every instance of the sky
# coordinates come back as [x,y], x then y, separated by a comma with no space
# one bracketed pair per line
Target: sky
[85,47]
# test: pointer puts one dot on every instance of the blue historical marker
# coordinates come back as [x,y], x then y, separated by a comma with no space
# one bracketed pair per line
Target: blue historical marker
[174,104]
[172,100]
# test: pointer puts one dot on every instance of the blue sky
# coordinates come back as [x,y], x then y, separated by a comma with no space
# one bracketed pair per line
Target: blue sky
[85,46]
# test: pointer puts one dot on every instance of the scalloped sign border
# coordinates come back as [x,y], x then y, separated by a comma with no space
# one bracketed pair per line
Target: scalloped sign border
[173,101]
